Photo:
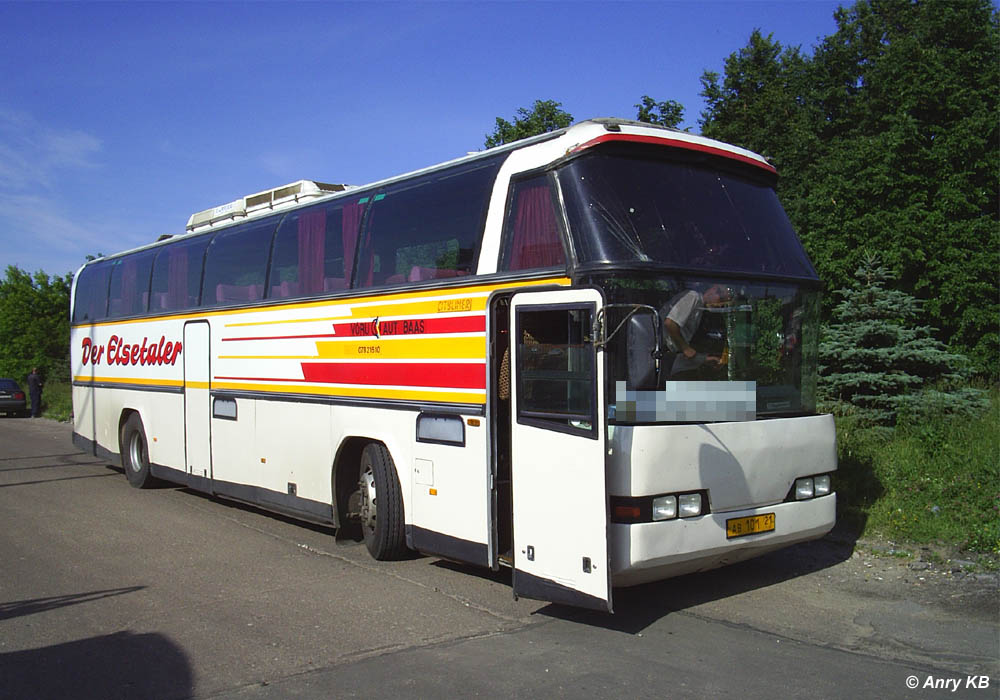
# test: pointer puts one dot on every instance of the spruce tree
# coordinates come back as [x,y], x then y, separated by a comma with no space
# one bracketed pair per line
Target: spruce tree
[875,358]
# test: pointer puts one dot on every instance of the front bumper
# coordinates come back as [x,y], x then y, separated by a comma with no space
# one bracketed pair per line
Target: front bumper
[645,552]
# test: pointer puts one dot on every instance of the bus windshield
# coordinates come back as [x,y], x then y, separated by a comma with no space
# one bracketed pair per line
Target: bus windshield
[717,330]
[638,204]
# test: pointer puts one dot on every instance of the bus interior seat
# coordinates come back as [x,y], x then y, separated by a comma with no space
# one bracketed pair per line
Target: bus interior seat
[286,289]
[237,292]
[418,274]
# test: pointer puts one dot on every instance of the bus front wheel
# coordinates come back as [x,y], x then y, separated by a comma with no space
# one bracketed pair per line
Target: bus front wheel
[135,453]
[381,504]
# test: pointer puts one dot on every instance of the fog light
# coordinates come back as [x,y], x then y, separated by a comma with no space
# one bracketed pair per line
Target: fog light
[803,489]
[821,485]
[664,508]
[689,504]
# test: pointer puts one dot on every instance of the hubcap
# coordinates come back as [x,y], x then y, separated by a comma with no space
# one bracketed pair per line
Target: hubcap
[367,487]
[135,452]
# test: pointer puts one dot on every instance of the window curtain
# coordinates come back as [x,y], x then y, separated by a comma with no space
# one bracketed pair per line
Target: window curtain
[351,222]
[177,277]
[130,302]
[536,241]
[312,239]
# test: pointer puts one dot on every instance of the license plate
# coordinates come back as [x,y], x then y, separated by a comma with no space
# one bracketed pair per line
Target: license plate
[751,525]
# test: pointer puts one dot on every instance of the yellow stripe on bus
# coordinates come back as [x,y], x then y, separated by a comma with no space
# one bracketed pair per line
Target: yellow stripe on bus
[476,396]
[416,348]
[422,307]
[371,303]
[128,380]
[404,349]
[316,303]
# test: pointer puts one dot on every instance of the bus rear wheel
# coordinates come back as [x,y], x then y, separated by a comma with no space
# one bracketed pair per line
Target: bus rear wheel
[381,504]
[135,453]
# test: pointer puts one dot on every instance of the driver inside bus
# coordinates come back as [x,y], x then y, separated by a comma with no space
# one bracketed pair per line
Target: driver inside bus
[681,319]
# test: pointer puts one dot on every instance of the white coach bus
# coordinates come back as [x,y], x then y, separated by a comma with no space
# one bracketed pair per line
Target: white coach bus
[589,356]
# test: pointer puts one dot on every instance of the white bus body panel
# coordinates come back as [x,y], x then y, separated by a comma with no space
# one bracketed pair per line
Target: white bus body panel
[747,468]
[197,411]
[449,494]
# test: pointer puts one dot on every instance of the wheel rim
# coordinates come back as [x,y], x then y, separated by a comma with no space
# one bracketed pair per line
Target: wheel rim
[367,486]
[135,452]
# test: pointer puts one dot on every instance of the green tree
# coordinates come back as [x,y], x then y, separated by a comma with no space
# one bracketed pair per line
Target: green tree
[544,116]
[34,324]
[667,113]
[764,103]
[875,356]
[886,137]
[910,93]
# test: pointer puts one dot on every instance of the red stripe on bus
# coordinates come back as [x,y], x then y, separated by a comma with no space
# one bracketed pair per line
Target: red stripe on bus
[431,326]
[284,337]
[430,374]
[677,143]
[413,326]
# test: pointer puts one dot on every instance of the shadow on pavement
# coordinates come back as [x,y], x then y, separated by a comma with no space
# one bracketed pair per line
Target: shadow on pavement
[638,607]
[119,665]
[19,608]
[46,481]
[68,455]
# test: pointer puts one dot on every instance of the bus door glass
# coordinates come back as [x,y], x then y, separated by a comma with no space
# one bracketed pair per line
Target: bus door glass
[197,386]
[559,499]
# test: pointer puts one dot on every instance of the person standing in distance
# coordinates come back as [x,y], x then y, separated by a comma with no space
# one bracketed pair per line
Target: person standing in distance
[35,391]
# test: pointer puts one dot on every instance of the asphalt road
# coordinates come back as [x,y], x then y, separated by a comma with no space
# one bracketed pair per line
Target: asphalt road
[107,591]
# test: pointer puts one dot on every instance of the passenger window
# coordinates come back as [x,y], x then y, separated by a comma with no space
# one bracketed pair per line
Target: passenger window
[427,228]
[176,281]
[314,250]
[532,229]
[130,284]
[91,297]
[236,264]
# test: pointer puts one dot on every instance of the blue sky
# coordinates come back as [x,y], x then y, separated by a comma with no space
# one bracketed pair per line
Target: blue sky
[118,121]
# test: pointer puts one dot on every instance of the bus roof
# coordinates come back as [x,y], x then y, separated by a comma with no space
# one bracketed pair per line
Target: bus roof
[563,142]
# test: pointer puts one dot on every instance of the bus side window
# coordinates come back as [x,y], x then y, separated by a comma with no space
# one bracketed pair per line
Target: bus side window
[314,250]
[531,234]
[236,264]
[130,284]
[91,301]
[176,279]
[427,228]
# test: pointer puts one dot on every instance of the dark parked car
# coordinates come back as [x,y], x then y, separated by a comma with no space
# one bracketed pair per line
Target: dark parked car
[12,398]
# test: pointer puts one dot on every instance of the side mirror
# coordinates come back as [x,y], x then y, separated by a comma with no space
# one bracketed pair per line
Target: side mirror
[643,351]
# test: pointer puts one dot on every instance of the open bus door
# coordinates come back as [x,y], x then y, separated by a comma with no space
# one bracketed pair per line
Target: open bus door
[558,485]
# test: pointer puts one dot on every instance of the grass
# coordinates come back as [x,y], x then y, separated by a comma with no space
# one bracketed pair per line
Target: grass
[57,401]
[932,482]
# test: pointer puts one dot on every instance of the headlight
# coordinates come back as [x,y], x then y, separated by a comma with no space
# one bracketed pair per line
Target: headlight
[689,504]
[821,485]
[664,508]
[804,489]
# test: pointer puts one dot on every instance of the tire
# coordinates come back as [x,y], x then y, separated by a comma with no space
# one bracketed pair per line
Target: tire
[135,453]
[381,504]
